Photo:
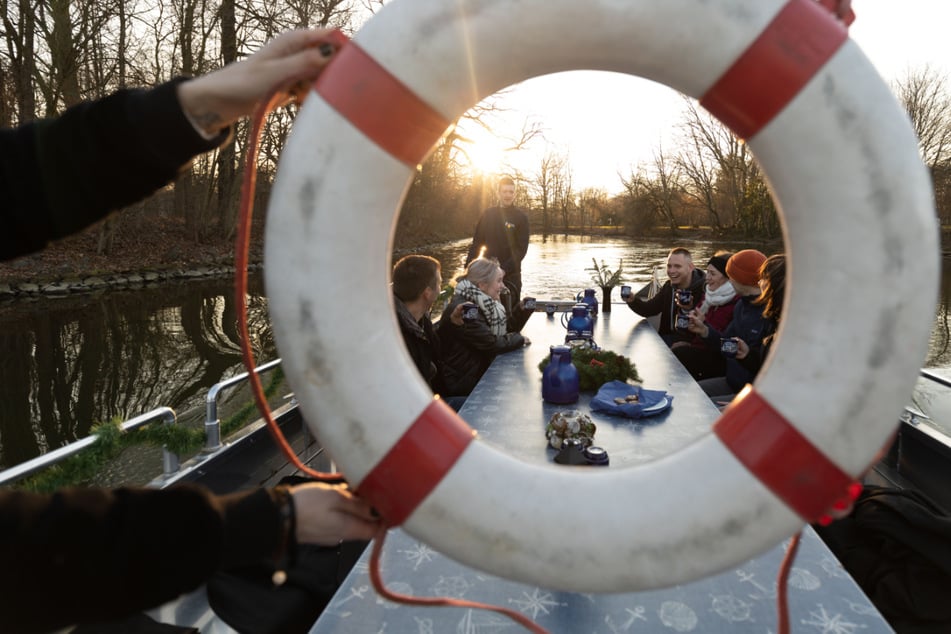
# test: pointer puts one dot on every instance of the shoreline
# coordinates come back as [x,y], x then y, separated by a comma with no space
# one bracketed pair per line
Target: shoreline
[71,267]
[14,291]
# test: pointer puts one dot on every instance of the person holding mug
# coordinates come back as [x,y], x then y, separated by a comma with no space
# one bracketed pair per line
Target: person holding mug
[487,329]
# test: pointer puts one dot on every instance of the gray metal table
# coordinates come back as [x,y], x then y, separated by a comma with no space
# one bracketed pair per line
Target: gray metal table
[507,410]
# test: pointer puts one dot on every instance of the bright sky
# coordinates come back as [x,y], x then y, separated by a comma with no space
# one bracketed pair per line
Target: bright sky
[608,123]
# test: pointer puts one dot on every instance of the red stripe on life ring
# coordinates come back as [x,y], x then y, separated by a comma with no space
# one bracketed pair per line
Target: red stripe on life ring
[782,458]
[787,54]
[380,106]
[418,461]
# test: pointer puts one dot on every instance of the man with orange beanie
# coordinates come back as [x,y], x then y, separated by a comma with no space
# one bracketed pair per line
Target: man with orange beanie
[748,323]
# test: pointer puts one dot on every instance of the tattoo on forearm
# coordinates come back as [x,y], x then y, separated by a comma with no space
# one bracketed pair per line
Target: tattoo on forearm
[209,121]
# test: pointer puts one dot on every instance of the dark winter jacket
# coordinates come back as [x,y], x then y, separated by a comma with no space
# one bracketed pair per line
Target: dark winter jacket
[422,343]
[58,176]
[749,325]
[84,555]
[896,544]
[87,555]
[504,231]
[663,304]
[468,350]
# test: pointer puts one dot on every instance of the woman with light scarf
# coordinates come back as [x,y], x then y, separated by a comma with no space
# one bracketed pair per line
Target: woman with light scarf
[719,300]
[469,349]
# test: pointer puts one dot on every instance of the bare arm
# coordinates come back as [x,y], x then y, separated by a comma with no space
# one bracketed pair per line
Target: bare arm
[214,101]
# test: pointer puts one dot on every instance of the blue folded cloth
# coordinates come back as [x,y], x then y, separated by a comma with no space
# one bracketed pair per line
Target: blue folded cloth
[649,403]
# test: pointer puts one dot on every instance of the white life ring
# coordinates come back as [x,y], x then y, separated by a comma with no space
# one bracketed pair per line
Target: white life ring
[842,161]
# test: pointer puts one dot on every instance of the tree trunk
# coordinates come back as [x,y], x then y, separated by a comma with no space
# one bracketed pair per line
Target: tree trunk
[227,178]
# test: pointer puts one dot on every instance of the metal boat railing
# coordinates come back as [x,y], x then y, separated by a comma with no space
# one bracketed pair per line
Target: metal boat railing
[171,463]
[212,422]
[931,376]
[915,416]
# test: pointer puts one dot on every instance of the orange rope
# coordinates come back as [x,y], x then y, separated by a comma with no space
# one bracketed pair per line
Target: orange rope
[377,580]
[242,247]
[782,599]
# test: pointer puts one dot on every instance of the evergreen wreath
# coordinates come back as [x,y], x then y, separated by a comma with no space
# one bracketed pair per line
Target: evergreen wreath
[597,367]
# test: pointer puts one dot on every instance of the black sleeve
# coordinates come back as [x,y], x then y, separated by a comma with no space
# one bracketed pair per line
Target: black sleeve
[477,334]
[524,231]
[478,240]
[85,554]
[656,305]
[60,175]
[759,350]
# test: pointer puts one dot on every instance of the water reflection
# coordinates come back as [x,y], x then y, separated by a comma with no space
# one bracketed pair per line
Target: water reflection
[66,364]
[556,267]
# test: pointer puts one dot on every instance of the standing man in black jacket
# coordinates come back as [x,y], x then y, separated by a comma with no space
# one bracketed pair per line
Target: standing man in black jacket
[503,232]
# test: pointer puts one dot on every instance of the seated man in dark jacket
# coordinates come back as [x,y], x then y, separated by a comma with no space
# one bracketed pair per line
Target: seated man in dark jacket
[468,349]
[416,283]
[682,275]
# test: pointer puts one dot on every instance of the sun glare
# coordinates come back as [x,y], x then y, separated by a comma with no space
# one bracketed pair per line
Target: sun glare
[485,154]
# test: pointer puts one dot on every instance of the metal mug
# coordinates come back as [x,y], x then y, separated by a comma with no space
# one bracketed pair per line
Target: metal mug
[729,347]
[684,296]
[470,312]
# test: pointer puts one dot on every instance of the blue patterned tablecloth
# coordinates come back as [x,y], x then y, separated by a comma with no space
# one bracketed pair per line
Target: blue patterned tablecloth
[507,410]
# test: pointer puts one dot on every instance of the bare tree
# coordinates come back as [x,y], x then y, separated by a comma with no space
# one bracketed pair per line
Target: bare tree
[665,189]
[70,29]
[227,159]
[543,183]
[722,176]
[322,13]
[591,204]
[19,28]
[564,194]
[715,164]
[373,6]
[925,95]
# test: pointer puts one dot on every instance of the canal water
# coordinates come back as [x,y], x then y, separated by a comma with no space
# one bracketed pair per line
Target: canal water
[67,363]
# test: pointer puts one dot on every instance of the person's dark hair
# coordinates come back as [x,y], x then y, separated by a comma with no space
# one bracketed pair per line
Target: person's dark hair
[413,274]
[719,260]
[506,180]
[773,277]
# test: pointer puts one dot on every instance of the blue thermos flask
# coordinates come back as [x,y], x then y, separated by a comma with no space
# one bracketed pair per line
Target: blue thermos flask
[580,325]
[590,301]
[560,377]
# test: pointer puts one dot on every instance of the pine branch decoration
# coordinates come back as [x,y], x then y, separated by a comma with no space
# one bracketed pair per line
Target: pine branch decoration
[603,276]
[597,367]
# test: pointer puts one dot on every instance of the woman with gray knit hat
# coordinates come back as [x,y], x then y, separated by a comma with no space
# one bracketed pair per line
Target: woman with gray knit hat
[748,324]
